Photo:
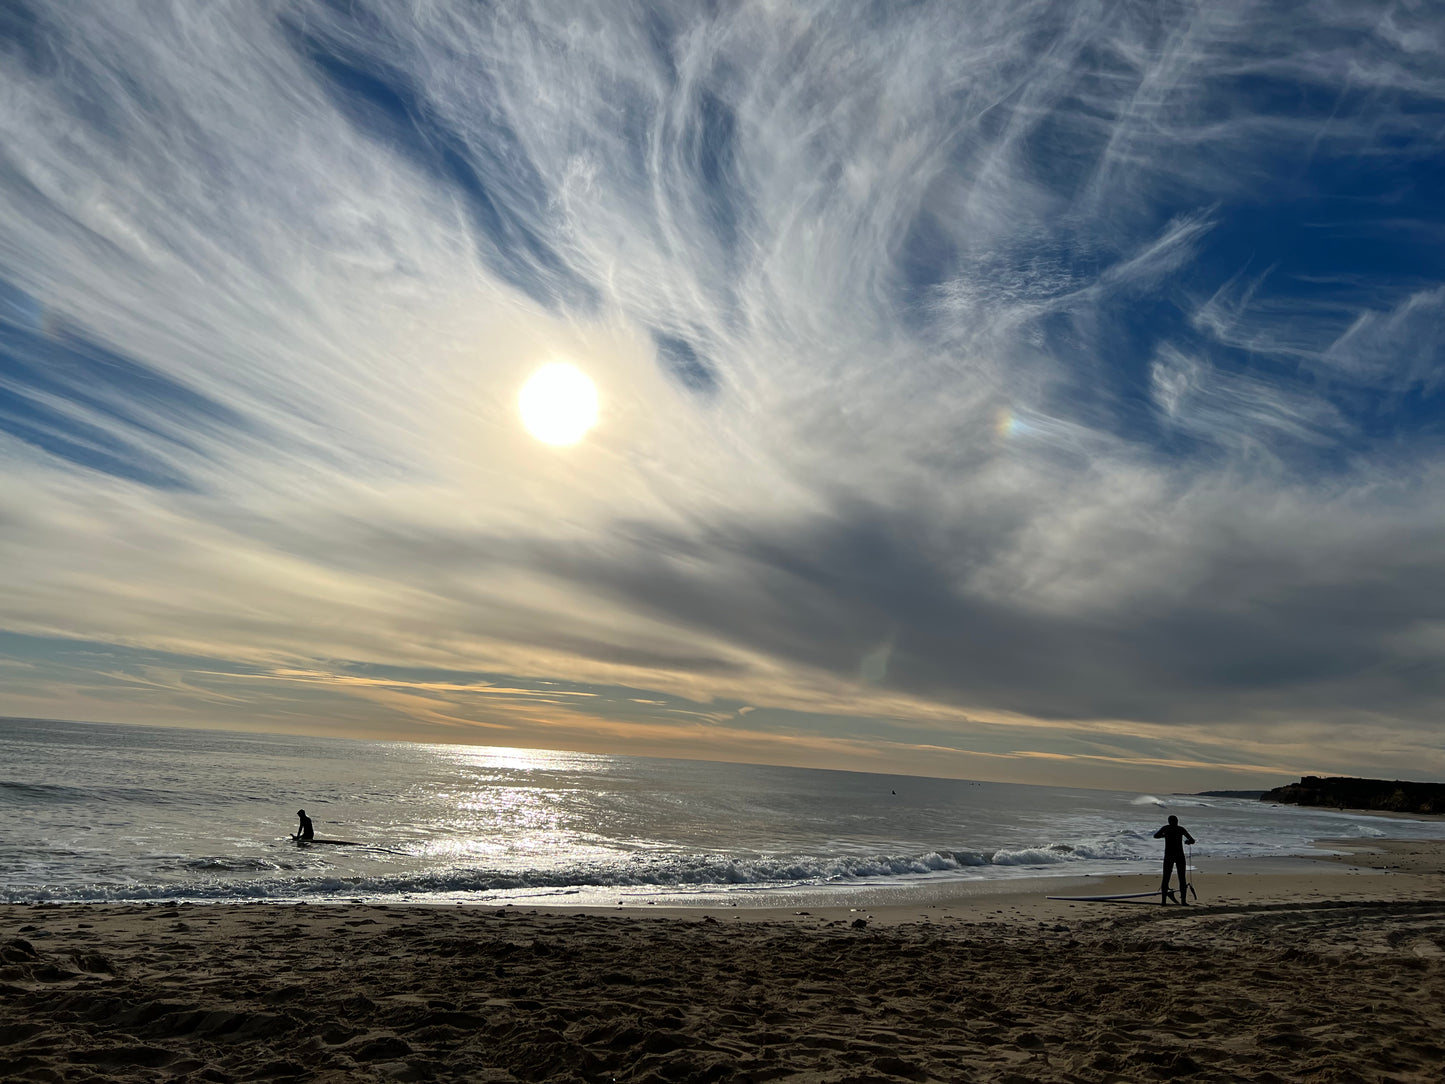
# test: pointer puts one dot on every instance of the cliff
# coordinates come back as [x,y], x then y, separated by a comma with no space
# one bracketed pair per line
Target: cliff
[1341,792]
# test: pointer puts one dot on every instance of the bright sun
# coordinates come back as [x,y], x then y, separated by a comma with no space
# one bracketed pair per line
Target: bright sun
[558,404]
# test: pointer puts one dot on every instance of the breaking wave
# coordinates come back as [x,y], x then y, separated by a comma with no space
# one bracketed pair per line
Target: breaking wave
[678,872]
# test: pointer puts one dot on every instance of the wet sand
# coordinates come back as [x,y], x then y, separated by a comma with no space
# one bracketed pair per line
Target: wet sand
[1332,970]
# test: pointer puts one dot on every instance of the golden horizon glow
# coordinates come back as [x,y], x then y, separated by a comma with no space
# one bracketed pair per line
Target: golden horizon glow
[558,404]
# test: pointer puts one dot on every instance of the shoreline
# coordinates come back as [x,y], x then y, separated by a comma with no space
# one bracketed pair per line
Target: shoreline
[1412,869]
[1263,877]
[1334,970]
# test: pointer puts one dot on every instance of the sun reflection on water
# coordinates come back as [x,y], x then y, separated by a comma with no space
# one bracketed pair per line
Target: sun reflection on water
[507,808]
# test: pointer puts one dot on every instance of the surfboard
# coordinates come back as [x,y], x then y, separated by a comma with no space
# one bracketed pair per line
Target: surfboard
[332,842]
[335,843]
[346,843]
[1116,896]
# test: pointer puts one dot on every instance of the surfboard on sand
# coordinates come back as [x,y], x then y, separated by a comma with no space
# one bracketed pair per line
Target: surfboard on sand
[1115,896]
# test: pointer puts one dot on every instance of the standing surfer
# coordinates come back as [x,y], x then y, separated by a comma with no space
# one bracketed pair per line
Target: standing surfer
[1174,835]
[307,832]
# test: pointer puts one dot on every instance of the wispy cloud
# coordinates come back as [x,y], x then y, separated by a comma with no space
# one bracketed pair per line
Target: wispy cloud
[1087,357]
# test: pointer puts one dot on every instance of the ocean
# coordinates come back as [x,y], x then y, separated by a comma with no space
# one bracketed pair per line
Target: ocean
[92,812]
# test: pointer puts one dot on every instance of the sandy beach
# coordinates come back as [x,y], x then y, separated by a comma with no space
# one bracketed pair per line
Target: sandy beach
[1327,970]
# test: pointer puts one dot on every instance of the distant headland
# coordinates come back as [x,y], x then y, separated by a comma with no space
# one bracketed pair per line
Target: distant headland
[1339,792]
[1255,794]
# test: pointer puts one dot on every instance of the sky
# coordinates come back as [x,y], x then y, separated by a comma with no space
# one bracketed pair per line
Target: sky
[1029,391]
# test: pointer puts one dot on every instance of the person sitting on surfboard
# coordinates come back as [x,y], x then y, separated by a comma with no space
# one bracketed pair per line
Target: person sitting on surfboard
[1174,835]
[307,832]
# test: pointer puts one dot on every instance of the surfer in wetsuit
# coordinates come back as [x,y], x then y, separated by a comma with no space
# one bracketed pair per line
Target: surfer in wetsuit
[1174,836]
[307,832]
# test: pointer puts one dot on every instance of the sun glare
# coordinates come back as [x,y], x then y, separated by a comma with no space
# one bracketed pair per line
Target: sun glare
[558,403]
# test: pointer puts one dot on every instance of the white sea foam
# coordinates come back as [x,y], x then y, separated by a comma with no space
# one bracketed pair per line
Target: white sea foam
[1368,831]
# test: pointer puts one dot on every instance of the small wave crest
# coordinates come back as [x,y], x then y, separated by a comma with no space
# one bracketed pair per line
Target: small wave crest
[1176,801]
[18,794]
[230,865]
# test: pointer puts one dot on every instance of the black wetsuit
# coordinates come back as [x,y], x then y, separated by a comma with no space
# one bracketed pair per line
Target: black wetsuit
[1174,837]
[306,831]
